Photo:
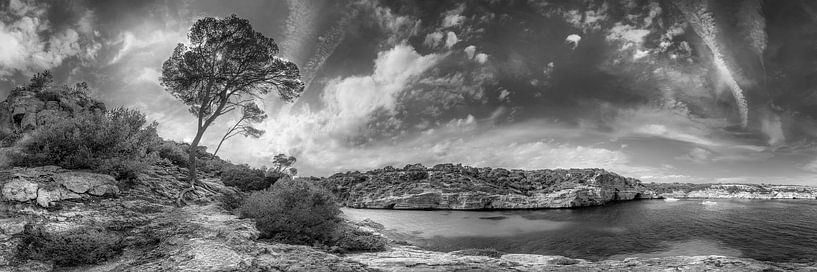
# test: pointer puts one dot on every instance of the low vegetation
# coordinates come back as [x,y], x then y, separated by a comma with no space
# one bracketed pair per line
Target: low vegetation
[489,252]
[119,142]
[293,211]
[246,178]
[75,247]
[299,212]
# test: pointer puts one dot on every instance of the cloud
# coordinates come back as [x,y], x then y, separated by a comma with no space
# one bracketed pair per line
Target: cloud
[810,166]
[469,51]
[573,40]
[697,155]
[28,42]
[481,58]
[348,105]
[433,39]
[453,17]
[503,95]
[451,39]
[145,41]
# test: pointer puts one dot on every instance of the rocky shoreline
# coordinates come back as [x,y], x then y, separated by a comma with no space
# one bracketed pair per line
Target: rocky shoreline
[457,187]
[733,191]
[154,235]
[408,258]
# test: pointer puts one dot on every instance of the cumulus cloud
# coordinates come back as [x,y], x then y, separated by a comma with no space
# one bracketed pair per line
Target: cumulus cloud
[24,44]
[433,39]
[481,58]
[451,39]
[349,104]
[573,40]
[453,18]
[469,51]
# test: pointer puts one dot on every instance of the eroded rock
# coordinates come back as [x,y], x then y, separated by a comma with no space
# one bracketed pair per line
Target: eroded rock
[49,184]
[449,186]
[20,190]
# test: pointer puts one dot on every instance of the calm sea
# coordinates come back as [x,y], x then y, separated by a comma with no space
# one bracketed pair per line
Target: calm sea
[768,230]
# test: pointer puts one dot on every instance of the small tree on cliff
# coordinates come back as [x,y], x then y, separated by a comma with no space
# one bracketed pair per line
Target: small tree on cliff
[250,114]
[225,65]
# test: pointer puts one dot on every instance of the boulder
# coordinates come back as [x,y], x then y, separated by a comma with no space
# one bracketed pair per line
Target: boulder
[20,189]
[46,197]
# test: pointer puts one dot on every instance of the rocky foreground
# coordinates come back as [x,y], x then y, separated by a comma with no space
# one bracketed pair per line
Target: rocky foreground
[153,235]
[407,258]
[457,187]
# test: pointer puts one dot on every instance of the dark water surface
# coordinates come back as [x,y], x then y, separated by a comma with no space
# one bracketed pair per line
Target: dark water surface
[769,230]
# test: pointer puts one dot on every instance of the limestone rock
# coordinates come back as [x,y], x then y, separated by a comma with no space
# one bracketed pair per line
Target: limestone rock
[20,190]
[46,197]
[449,186]
[83,182]
[408,258]
[732,191]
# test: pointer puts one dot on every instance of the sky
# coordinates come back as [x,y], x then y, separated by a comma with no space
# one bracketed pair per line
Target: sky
[663,91]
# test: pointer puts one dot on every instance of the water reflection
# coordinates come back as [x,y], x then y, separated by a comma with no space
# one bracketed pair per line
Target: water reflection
[766,230]
[426,224]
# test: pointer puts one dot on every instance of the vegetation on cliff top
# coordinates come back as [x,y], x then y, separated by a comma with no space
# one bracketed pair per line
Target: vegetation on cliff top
[458,178]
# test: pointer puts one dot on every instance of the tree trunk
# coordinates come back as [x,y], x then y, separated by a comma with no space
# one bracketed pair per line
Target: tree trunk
[191,167]
[219,144]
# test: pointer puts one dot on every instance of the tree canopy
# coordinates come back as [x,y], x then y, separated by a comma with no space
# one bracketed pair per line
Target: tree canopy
[224,66]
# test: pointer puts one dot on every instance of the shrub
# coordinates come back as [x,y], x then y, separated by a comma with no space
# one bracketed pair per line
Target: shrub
[231,201]
[293,211]
[118,142]
[247,179]
[488,252]
[350,238]
[174,152]
[8,140]
[76,247]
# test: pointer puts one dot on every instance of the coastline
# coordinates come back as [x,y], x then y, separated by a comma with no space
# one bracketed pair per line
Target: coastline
[402,257]
[458,187]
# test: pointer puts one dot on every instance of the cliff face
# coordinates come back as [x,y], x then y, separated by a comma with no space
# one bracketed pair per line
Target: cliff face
[457,187]
[737,191]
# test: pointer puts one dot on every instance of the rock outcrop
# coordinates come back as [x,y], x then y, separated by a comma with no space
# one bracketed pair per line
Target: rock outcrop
[734,191]
[408,258]
[30,106]
[457,187]
[49,184]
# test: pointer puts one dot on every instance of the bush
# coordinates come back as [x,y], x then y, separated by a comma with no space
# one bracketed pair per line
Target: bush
[293,211]
[247,179]
[231,201]
[350,238]
[488,252]
[76,247]
[118,142]
[174,152]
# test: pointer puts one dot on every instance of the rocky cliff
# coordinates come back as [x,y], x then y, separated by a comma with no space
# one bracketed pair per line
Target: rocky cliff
[457,187]
[736,191]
